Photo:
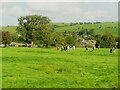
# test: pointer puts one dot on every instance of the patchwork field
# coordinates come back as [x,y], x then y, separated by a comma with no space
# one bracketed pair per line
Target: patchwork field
[111,27]
[51,68]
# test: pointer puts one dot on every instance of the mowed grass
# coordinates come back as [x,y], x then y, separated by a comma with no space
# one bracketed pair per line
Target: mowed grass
[51,68]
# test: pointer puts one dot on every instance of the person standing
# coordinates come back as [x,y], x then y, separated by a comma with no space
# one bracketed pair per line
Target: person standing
[73,47]
[98,46]
[114,50]
[62,48]
[86,48]
[110,50]
[93,48]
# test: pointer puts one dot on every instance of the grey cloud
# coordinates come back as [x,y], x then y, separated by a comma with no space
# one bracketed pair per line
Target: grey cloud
[63,11]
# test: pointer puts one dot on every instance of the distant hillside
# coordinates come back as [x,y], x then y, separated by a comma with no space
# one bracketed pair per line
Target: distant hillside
[98,27]
[102,27]
[11,29]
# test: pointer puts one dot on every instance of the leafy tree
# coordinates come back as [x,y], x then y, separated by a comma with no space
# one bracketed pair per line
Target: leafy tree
[99,40]
[57,39]
[6,37]
[117,39]
[91,32]
[14,37]
[105,40]
[70,40]
[34,28]
[86,33]
[108,39]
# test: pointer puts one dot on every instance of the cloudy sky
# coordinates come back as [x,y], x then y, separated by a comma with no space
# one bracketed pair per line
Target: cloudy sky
[59,10]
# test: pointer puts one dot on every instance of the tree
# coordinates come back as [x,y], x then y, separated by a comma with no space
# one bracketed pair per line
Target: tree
[57,39]
[34,28]
[14,37]
[99,40]
[117,39]
[70,40]
[86,33]
[108,39]
[105,40]
[6,37]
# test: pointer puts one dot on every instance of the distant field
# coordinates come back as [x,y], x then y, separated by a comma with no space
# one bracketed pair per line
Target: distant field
[49,68]
[11,29]
[105,26]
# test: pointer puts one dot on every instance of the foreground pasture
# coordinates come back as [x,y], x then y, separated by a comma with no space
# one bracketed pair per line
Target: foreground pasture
[50,68]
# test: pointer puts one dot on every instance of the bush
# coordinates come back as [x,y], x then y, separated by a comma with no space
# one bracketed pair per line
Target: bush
[117,39]
[6,38]
[105,40]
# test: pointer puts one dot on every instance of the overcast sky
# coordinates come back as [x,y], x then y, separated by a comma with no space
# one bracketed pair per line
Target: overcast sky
[62,11]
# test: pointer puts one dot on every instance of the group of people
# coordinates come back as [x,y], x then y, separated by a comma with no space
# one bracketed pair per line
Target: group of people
[87,48]
[66,48]
[112,50]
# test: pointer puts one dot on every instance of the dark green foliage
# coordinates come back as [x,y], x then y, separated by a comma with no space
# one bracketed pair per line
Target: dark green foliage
[108,39]
[14,37]
[80,23]
[99,40]
[86,33]
[105,40]
[117,39]
[57,39]
[87,23]
[70,40]
[38,29]
[34,28]
[6,37]
[73,24]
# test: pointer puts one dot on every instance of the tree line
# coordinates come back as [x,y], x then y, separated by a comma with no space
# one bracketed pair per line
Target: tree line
[37,29]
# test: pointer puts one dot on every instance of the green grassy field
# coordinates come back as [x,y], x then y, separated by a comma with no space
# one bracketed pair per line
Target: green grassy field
[105,27]
[66,27]
[50,68]
[11,29]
